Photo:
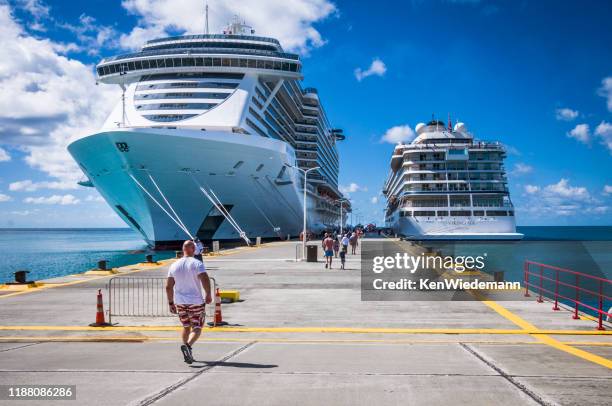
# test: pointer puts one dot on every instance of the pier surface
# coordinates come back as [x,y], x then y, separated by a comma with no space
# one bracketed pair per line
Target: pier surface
[302,336]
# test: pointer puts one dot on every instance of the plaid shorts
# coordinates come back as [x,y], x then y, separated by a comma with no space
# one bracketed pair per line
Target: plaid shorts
[191,315]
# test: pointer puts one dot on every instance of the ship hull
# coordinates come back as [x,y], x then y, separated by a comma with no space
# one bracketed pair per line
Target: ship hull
[244,172]
[457,228]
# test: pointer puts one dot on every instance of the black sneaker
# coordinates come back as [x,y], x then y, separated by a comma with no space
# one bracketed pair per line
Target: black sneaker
[186,354]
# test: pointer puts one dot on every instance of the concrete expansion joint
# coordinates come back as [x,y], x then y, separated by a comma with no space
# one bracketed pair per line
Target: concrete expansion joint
[169,389]
[521,387]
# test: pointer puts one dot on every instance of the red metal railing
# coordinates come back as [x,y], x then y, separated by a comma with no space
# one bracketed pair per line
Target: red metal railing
[551,274]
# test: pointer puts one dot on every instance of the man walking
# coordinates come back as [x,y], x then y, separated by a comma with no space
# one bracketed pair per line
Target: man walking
[186,278]
[328,247]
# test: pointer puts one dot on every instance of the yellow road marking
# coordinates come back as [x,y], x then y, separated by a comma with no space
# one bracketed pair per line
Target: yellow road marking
[355,330]
[285,340]
[543,337]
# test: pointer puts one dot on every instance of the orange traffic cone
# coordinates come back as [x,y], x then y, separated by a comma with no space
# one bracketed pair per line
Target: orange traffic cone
[218,321]
[100,322]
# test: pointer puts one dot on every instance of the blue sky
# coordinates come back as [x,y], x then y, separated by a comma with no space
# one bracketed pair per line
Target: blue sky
[536,76]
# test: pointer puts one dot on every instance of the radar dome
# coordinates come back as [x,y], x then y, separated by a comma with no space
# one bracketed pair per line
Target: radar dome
[460,127]
[419,127]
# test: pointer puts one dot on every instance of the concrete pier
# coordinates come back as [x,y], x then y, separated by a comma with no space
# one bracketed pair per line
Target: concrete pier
[301,335]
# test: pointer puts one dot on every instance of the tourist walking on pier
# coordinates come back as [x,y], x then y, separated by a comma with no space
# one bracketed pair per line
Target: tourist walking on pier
[328,247]
[199,249]
[354,243]
[345,242]
[336,247]
[186,277]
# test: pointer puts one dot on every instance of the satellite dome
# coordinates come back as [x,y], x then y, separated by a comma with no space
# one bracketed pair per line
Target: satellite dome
[419,127]
[460,127]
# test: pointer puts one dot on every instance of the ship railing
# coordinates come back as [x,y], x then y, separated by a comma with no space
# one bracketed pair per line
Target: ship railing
[141,297]
[579,290]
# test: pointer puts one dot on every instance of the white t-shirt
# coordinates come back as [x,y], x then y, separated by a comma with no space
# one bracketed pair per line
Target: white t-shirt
[345,241]
[187,286]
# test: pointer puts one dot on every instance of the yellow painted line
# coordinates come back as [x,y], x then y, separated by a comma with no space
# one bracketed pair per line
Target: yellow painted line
[543,337]
[279,340]
[354,330]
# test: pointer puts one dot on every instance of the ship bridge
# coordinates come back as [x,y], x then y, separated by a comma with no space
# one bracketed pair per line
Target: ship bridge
[237,50]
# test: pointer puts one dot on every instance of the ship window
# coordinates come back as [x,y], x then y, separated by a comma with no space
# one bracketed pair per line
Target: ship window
[169,63]
[199,62]
[130,65]
[510,213]
[225,62]
[277,65]
[235,63]
[238,164]
[188,62]
[145,64]
[105,70]
[425,213]
[268,65]
[100,71]
[243,63]
[177,62]
[207,61]
[161,63]
[259,167]
[216,62]
[460,213]
[152,63]
[138,65]
[500,213]
[252,63]
[479,213]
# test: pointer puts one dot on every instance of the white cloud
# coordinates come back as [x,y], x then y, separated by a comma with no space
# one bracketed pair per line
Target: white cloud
[29,186]
[607,189]
[398,134]
[47,99]
[560,199]
[522,169]
[606,91]
[94,198]
[24,213]
[5,198]
[55,199]
[352,188]
[377,67]
[581,133]
[566,114]
[563,189]
[291,21]
[4,156]
[374,199]
[604,132]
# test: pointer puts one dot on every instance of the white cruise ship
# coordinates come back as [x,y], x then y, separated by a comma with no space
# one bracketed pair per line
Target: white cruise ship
[209,138]
[444,185]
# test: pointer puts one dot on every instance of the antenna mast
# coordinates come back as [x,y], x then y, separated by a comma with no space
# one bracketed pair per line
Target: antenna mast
[206,21]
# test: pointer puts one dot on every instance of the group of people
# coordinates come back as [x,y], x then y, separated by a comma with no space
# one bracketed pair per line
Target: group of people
[337,245]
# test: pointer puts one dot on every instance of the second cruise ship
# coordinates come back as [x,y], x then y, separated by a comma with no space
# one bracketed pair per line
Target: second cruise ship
[444,185]
[213,138]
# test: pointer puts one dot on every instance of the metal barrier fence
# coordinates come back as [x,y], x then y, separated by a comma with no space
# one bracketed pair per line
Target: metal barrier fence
[141,297]
[556,288]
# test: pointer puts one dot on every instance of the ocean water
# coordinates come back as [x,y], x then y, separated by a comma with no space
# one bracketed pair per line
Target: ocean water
[48,253]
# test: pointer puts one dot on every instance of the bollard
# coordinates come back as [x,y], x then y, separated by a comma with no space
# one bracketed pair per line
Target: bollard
[102,264]
[215,246]
[20,276]
[288,237]
[498,276]
[149,258]
[178,254]
[258,241]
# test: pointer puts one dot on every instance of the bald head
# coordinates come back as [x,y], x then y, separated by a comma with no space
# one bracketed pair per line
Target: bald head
[188,248]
